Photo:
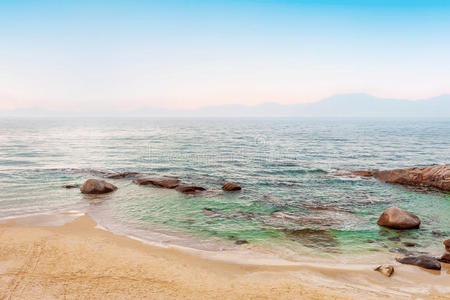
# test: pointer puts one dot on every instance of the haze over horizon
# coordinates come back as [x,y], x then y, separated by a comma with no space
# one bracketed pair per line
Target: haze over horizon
[178,55]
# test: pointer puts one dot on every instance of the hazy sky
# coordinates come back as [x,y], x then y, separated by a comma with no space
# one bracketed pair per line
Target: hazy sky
[96,55]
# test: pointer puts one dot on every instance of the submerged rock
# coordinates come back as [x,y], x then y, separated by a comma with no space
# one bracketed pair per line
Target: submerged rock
[168,183]
[71,186]
[241,242]
[322,207]
[445,258]
[423,261]
[96,186]
[437,176]
[189,189]
[386,270]
[410,244]
[318,219]
[231,187]
[211,212]
[123,175]
[313,238]
[395,217]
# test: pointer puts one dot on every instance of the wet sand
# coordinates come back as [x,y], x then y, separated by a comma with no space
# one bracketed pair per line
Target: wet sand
[43,258]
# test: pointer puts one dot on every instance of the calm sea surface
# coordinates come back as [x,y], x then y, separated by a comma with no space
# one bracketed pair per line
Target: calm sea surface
[290,199]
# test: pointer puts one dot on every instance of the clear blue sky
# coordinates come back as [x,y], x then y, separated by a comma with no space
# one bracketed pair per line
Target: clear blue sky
[186,54]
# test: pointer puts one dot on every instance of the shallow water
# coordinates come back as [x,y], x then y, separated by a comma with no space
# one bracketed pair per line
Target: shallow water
[290,200]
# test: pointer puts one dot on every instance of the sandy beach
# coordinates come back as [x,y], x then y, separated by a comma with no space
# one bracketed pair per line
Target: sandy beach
[79,261]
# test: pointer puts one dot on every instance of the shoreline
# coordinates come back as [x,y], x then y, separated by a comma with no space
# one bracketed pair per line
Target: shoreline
[77,257]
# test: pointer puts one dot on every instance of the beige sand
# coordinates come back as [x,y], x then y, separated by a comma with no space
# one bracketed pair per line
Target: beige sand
[78,261]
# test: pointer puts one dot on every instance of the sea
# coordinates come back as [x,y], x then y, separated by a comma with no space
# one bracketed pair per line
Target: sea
[292,200]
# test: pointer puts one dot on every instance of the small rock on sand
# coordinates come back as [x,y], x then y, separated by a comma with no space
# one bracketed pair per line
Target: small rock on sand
[386,270]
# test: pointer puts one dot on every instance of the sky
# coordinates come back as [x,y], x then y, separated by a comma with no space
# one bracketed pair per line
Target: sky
[115,55]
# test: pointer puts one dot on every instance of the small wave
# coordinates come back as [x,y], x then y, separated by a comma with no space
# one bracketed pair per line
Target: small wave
[296,171]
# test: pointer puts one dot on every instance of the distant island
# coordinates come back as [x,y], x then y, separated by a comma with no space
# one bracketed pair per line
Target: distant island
[341,105]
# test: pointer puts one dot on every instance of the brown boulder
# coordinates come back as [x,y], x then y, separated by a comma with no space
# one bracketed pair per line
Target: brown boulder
[434,176]
[398,218]
[447,245]
[167,183]
[96,186]
[231,187]
[189,189]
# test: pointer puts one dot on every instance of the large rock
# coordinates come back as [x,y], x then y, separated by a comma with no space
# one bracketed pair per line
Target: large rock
[96,186]
[168,183]
[231,187]
[398,218]
[435,176]
[423,261]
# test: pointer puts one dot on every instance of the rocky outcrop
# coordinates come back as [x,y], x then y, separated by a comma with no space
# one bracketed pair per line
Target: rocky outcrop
[189,189]
[398,218]
[437,176]
[229,187]
[423,261]
[386,270]
[96,186]
[168,183]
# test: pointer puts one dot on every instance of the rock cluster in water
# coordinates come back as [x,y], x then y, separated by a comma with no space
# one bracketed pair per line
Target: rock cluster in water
[437,176]
[96,186]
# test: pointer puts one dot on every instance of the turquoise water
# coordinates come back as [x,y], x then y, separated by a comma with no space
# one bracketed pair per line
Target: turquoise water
[290,198]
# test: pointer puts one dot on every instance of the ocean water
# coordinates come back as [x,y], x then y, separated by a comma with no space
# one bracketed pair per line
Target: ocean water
[290,198]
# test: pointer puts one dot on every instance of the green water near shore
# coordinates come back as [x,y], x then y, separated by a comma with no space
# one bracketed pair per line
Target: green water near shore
[289,199]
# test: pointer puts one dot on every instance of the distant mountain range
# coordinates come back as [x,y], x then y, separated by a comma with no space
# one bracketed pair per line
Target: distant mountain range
[343,105]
